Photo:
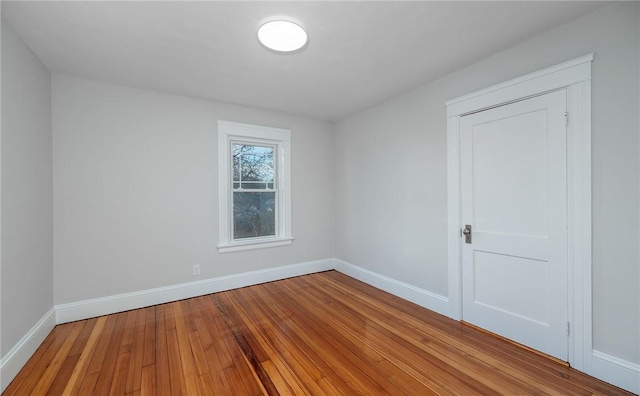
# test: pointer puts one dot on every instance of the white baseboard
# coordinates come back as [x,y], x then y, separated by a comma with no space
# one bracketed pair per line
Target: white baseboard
[124,302]
[424,298]
[616,371]
[17,357]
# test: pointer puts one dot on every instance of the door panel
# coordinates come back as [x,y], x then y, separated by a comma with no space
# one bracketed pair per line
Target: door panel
[496,275]
[513,185]
[509,173]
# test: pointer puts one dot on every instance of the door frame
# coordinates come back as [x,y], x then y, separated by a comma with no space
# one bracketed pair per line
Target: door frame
[575,77]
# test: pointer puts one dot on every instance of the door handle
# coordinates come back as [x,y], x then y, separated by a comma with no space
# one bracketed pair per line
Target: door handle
[467,233]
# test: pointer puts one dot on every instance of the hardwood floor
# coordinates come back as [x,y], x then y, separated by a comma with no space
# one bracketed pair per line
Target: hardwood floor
[318,334]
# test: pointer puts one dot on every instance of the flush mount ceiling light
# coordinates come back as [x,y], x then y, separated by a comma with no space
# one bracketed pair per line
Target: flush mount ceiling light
[282,36]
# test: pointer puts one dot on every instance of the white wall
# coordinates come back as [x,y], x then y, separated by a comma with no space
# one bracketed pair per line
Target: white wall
[391,171]
[27,210]
[135,194]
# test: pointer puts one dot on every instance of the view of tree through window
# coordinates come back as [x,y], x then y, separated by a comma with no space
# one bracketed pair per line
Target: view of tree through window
[254,191]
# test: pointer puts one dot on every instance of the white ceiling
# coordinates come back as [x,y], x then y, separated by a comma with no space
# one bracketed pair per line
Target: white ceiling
[359,53]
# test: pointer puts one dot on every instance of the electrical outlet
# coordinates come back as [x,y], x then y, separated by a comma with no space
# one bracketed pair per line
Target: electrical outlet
[196,269]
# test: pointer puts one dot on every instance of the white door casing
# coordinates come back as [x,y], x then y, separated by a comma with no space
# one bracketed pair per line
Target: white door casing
[513,196]
[575,77]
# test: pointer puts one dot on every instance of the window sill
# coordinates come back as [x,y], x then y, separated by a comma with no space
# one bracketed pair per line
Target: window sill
[255,244]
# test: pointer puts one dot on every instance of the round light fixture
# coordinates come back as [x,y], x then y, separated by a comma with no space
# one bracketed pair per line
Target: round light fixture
[282,36]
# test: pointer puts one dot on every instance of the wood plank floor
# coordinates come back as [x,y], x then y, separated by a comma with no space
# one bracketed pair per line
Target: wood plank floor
[320,334]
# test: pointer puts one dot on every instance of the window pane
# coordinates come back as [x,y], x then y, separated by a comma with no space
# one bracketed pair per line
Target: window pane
[253,166]
[254,214]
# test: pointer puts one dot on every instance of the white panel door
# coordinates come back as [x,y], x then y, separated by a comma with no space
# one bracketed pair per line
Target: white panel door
[514,197]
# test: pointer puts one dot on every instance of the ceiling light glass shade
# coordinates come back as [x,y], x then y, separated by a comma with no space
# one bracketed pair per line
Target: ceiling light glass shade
[282,36]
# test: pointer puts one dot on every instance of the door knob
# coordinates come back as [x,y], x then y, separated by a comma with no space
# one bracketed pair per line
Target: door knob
[467,233]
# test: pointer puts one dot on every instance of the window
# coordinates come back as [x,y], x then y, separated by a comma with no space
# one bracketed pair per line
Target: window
[254,191]
[254,186]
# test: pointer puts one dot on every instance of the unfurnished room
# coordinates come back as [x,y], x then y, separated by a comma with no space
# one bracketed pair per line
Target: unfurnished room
[320,198]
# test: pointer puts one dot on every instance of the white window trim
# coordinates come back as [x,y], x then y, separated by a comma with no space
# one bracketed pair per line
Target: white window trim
[281,139]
